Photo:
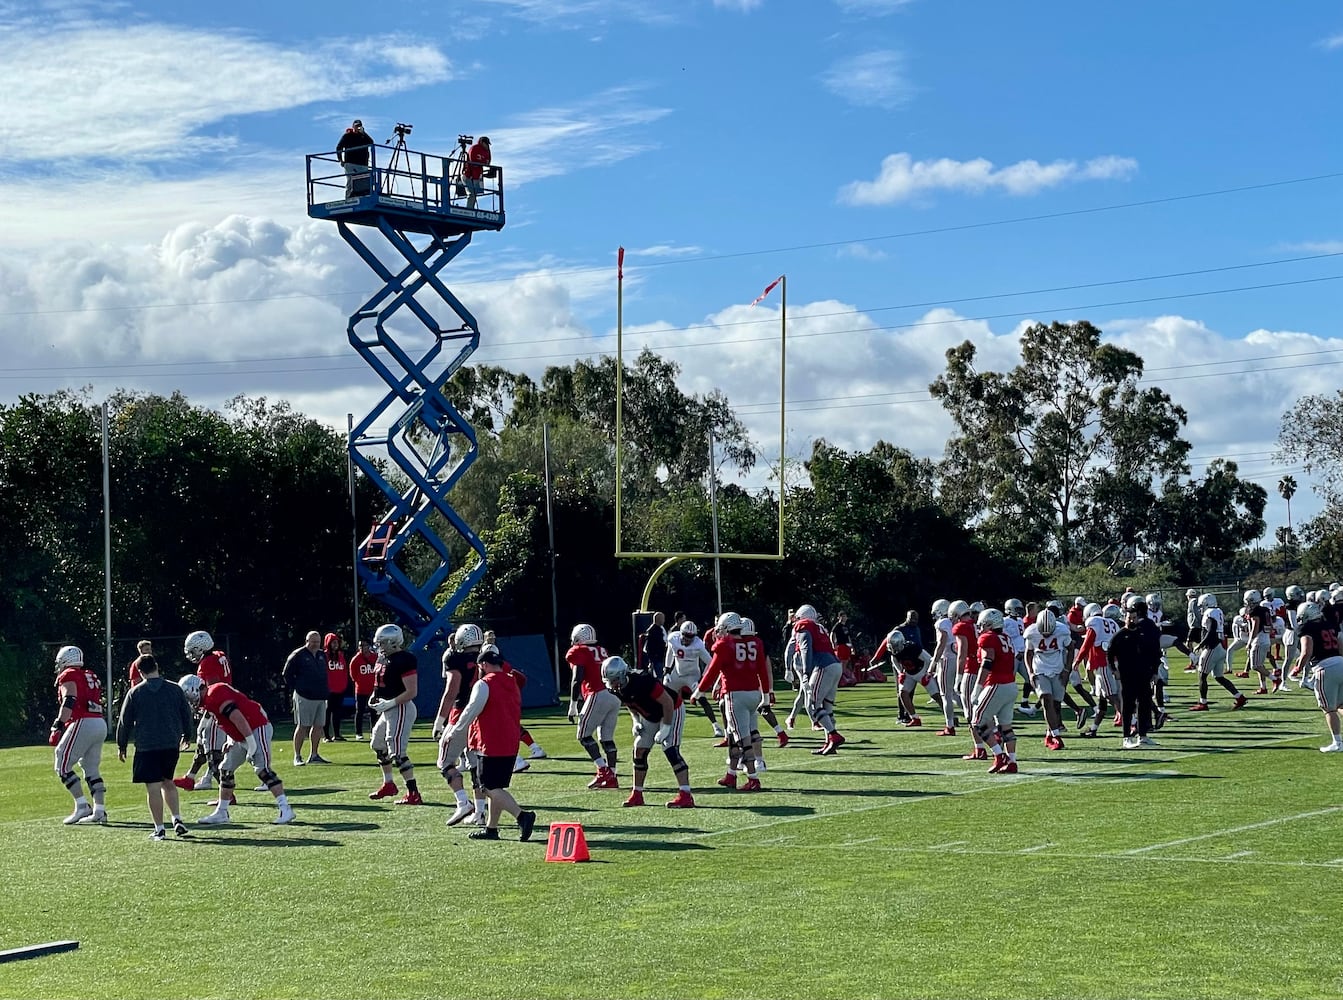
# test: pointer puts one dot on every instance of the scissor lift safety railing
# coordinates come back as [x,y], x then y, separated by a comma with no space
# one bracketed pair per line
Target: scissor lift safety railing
[414,426]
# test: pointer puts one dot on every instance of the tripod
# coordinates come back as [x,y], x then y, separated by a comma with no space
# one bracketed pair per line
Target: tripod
[399,163]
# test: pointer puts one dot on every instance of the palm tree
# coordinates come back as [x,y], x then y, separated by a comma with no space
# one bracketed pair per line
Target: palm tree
[1287,490]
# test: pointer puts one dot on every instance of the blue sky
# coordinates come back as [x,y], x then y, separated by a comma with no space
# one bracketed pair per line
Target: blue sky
[155,232]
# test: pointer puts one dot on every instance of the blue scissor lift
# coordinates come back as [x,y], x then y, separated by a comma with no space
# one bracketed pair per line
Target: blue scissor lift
[424,212]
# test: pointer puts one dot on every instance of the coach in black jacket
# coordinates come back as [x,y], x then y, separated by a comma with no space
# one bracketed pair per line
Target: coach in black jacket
[1135,654]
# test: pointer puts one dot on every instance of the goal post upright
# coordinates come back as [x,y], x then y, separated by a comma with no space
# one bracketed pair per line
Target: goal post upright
[670,559]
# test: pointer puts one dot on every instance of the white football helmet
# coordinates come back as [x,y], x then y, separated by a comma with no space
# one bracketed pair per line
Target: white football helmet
[1091,611]
[1252,597]
[1295,595]
[615,672]
[806,612]
[957,610]
[583,635]
[1309,611]
[197,645]
[1207,601]
[728,621]
[1113,612]
[688,628]
[1080,602]
[896,642]
[1154,601]
[940,607]
[1055,606]
[1046,622]
[1014,607]
[389,638]
[1269,593]
[193,687]
[69,656]
[991,618]
[977,607]
[467,635]
[747,626]
[1191,594]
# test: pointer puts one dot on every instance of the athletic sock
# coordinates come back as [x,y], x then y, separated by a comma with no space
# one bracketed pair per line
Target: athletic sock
[462,797]
[282,801]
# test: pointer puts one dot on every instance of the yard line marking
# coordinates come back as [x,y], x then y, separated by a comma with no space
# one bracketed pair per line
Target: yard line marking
[1235,829]
[1336,861]
[1032,850]
[1239,854]
[1017,782]
[950,843]
[1177,859]
[855,843]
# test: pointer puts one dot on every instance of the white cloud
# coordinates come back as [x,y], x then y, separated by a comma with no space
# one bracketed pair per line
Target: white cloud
[110,93]
[875,79]
[665,250]
[871,8]
[738,5]
[902,177]
[1332,42]
[1316,246]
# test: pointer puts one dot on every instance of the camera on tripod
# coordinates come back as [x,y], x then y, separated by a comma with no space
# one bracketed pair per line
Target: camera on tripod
[465,140]
[402,129]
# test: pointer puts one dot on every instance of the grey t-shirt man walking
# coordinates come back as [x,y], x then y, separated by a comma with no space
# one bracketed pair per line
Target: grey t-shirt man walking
[305,676]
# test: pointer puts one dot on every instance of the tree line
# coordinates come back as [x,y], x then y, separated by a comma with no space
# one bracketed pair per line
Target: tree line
[238,521]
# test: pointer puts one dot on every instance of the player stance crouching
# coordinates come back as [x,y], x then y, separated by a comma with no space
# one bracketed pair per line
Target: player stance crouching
[249,734]
[659,717]
[493,715]
[736,661]
[996,688]
[594,708]
[460,670]
[78,734]
[395,684]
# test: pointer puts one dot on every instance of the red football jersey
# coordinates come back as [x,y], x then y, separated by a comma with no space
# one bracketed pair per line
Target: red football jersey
[737,661]
[966,632]
[497,727]
[214,668]
[763,658]
[220,701]
[587,664]
[88,692]
[995,653]
[820,641]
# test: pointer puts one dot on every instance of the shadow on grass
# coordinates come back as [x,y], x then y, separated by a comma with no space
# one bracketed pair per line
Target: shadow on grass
[351,827]
[214,841]
[598,844]
[347,807]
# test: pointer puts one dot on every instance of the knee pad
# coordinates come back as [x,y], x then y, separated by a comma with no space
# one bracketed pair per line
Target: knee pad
[384,758]
[268,777]
[755,735]
[228,779]
[590,745]
[641,757]
[69,779]
[404,765]
[96,784]
[449,772]
[1008,734]
[609,747]
[674,758]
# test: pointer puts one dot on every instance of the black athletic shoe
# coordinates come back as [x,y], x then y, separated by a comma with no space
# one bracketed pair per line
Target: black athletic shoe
[486,834]
[526,821]
[180,829]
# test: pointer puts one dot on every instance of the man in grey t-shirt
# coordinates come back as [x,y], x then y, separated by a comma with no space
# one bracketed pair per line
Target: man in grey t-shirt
[305,676]
[156,717]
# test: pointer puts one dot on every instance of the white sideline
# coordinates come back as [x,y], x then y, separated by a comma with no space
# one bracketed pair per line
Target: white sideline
[1234,829]
[1176,859]
[1012,781]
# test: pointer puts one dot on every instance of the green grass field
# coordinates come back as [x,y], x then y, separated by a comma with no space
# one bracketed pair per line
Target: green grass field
[1205,867]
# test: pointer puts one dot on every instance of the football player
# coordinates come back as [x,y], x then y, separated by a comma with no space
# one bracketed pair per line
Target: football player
[1101,628]
[686,658]
[459,672]
[767,702]
[591,706]
[996,691]
[943,665]
[659,717]
[396,682]
[965,642]
[212,667]
[534,749]
[493,713]
[1047,640]
[78,734]
[735,661]
[1211,654]
[816,661]
[1260,637]
[248,734]
[1319,659]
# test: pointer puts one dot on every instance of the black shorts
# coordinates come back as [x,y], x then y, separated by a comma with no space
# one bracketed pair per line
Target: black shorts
[149,766]
[496,773]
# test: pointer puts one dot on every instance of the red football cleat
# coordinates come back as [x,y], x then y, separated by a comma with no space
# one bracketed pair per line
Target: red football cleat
[722,743]
[683,800]
[914,721]
[410,799]
[1199,706]
[598,778]
[946,731]
[385,791]
[187,783]
[607,779]
[837,739]
[1239,702]
[1119,718]
[751,786]
[1261,690]
[1191,669]
[999,762]
[979,753]
[1277,686]
[1049,741]
[636,798]
[783,739]
[1009,768]
[728,781]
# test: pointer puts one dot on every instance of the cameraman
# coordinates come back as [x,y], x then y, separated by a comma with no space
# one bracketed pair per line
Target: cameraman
[477,168]
[352,152]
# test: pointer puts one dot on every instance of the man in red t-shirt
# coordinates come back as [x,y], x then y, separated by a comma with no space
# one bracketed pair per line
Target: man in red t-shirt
[965,641]
[142,648]
[996,684]
[493,714]
[248,735]
[78,734]
[363,674]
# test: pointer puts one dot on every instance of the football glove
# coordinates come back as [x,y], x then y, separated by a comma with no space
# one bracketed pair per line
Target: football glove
[55,736]
[663,734]
[382,705]
[251,744]
[439,726]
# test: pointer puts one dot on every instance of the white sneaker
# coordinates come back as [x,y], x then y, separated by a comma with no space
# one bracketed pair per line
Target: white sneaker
[718,731]
[1147,741]
[538,753]
[299,761]
[204,784]
[1332,748]
[521,764]
[286,816]
[1131,743]
[98,816]
[760,765]
[463,811]
[81,812]
[261,788]
[482,815]
[215,818]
